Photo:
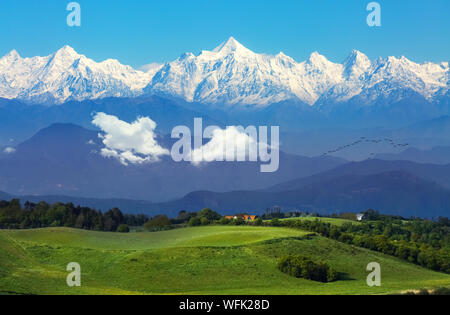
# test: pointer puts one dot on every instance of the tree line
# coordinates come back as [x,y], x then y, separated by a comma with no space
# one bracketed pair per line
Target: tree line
[42,214]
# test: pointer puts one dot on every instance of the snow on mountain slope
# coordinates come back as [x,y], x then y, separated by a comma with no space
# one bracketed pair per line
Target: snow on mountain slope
[233,74]
[400,73]
[230,74]
[67,75]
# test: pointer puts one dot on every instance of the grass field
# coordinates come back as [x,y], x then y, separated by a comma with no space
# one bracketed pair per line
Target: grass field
[202,260]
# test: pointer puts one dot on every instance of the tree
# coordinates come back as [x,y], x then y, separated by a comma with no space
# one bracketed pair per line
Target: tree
[259,222]
[224,221]
[275,222]
[157,223]
[209,214]
[123,228]
[239,221]
[79,223]
[195,221]
[204,221]
[303,267]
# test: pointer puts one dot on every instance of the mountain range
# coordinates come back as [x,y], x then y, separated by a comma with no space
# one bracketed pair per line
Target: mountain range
[353,135]
[229,75]
[435,155]
[64,159]
[395,192]
[62,163]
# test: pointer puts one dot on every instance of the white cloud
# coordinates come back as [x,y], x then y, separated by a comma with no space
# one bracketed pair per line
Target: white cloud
[230,144]
[9,150]
[133,143]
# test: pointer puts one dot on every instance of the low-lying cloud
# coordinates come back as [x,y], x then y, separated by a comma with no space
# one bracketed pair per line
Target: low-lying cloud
[9,150]
[133,143]
[227,144]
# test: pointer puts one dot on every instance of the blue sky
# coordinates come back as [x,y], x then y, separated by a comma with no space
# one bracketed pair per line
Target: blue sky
[138,32]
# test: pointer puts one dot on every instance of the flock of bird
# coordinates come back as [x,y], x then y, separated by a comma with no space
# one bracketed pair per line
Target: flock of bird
[389,141]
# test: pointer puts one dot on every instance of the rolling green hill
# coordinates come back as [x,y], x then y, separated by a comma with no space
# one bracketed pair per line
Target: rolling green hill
[202,260]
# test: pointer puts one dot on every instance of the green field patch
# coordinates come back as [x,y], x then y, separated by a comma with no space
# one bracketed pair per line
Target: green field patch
[195,236]
[204,260]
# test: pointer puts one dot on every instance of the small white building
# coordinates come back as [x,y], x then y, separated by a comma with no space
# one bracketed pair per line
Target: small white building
[360,216]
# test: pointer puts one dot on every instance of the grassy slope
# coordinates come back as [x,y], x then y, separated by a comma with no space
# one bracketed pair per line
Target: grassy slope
[204,260]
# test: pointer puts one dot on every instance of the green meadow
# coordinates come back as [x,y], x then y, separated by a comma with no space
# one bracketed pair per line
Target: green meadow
[200,260]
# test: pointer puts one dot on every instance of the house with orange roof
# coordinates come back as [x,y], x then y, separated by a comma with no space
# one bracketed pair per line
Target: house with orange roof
[245,217]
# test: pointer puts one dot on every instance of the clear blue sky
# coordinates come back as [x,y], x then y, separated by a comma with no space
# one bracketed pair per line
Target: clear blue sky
[138,32]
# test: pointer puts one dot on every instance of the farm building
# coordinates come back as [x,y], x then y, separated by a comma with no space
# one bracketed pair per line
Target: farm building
[245,217]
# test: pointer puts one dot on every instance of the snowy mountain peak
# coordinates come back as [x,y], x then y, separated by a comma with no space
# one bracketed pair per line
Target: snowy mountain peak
[66,49]
[66,75]
[356,57]
[318,62]
[317,59]
[231,74]
[12,55]
[231,46]
[66,53]
[356,64]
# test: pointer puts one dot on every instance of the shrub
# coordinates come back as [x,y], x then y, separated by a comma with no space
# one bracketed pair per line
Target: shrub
[239,221]
[303,267]
[224,221]
[123,228]
[204,221]
[157,223]
[259,222]
[195,221]
[441,291]
[209,214]
[332,275]
[275,222]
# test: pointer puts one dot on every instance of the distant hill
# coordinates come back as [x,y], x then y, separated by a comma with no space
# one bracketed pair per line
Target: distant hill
[430,172]
[395,192]
[19,121]
[436,155]
[426,133]
[64,159]
[429,128]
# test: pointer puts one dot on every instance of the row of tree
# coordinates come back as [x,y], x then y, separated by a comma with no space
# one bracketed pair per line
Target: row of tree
[42,214]
[162,222]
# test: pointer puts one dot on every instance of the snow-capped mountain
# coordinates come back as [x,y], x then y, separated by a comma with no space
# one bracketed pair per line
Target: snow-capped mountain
[67,75]
[230,74]
[233,74]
